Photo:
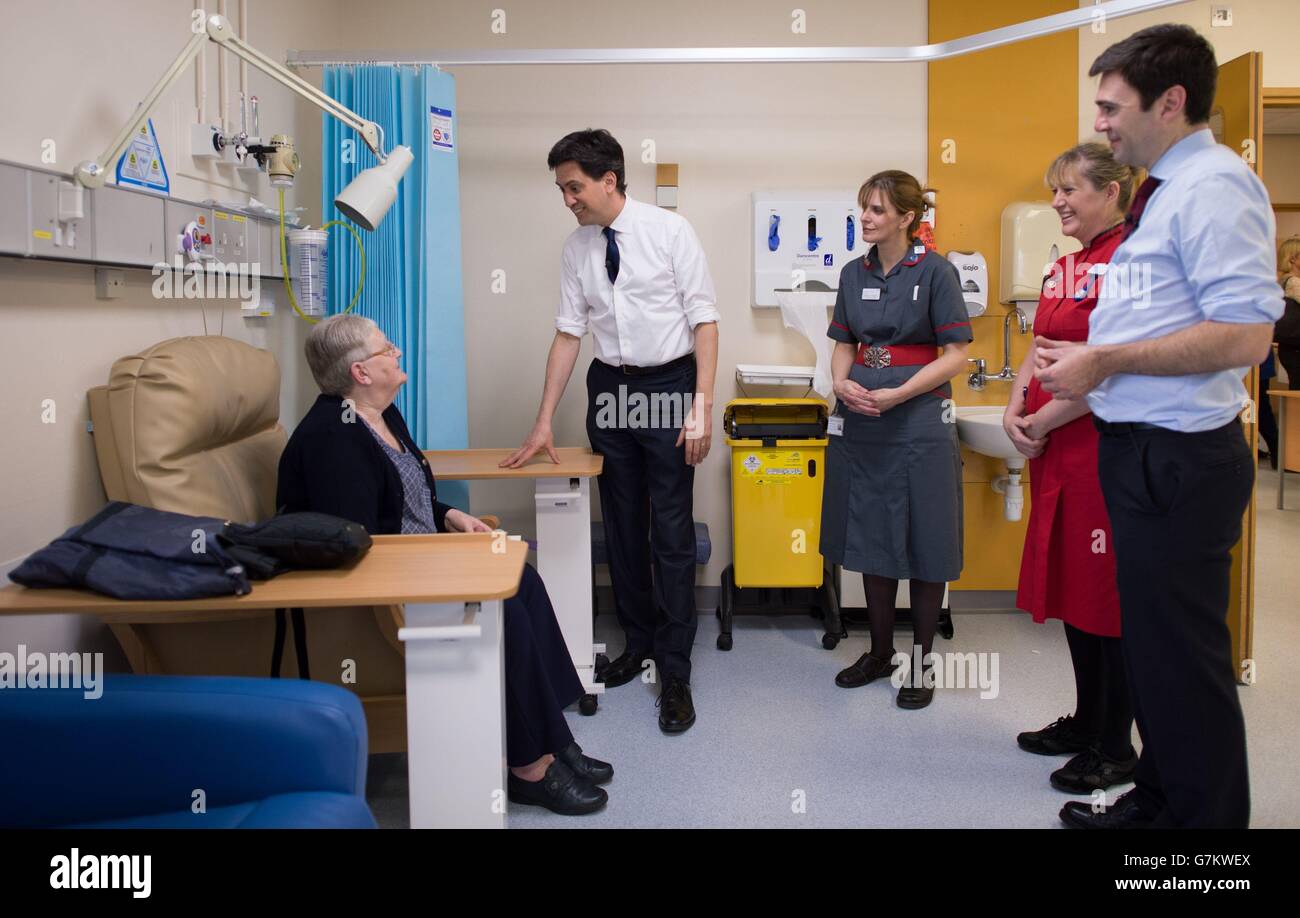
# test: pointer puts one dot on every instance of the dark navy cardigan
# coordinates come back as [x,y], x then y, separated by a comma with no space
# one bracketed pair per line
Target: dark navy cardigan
[335,466]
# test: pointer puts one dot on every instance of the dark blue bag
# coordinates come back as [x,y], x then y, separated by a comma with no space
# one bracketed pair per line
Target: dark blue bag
[132,552]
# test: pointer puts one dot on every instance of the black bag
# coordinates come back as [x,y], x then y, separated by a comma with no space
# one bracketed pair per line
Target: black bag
[1287,330]
[132,552]
[294,541]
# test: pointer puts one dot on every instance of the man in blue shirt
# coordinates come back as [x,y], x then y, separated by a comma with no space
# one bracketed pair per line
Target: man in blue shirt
[1187,305]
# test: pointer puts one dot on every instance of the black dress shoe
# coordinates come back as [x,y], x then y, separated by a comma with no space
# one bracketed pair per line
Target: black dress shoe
[1059,737]
[622,669]
[584,766]
[676,710]
[866,669]
[915,694]
[1092,770]
[1124,813]
[560,791]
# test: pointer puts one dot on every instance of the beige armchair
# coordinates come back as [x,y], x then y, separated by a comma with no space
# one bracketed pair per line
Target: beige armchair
[191,425]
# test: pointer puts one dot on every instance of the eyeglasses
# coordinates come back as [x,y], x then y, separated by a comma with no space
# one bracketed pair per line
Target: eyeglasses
[389,348]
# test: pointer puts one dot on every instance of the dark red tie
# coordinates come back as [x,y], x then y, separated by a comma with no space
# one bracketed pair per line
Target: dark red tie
[1139,204]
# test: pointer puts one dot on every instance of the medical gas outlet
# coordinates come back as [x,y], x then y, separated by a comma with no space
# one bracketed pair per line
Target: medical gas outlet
[195,242]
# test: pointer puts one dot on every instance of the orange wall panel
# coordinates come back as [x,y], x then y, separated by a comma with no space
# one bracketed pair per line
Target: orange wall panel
[996,120]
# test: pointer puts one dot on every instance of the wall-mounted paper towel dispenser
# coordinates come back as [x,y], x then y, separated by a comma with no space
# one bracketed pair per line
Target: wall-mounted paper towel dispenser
[1031,241]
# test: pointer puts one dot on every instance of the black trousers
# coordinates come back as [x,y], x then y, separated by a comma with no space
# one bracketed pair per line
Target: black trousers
[647,502]
[1289,357]
[540,678]
[1176,502]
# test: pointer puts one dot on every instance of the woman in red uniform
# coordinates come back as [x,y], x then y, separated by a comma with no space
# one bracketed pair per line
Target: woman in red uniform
[1067,570]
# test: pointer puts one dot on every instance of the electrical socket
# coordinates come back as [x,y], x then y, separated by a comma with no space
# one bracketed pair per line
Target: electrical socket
[110,283]
[1220,17]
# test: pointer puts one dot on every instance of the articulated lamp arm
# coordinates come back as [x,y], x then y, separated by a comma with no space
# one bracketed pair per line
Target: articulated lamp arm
[219,31]
[94,173]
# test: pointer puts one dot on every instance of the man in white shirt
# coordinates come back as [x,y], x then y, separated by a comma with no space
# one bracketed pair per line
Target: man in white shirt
[635,276]
[1187,305]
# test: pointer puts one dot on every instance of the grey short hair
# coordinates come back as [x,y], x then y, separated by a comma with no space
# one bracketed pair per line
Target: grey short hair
[333,346]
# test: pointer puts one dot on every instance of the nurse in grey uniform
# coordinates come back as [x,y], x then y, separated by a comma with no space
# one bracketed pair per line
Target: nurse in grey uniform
[892,507]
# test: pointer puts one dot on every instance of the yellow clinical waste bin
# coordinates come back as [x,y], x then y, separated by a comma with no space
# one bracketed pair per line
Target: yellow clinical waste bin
[778,453]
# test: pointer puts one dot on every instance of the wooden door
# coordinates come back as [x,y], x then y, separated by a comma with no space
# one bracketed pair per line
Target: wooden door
[1238,122]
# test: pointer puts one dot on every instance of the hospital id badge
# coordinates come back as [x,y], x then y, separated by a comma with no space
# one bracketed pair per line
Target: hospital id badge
[871,293]
[835,426]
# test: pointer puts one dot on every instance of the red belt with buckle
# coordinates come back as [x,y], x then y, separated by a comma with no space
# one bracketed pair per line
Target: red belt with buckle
[896,355]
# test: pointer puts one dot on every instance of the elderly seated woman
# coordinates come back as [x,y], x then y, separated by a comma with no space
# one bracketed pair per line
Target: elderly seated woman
[358,461]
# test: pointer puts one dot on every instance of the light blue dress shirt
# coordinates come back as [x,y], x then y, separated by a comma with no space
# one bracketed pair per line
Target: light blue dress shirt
[1203,251]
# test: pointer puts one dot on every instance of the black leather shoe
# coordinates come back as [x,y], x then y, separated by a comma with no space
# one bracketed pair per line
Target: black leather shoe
[622,669]
[1092,770]
[560,791]
[584,766]
[866,669]
[676,710]
[915,694]
[1124,813]
[1059,737]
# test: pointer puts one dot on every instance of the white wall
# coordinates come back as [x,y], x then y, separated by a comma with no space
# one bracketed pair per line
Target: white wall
[733,129]
[73,72]
[1269,26]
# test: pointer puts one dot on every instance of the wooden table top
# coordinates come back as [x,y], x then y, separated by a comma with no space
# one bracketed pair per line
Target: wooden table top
[480,464]
[398,569]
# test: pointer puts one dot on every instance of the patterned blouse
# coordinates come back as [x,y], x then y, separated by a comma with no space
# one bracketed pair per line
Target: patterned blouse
[417,501]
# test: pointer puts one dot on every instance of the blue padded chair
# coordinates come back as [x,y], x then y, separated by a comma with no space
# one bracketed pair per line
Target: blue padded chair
[600,554]
[267,753]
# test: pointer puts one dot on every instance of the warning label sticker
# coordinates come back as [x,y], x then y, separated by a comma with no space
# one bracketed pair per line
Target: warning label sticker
[777,465]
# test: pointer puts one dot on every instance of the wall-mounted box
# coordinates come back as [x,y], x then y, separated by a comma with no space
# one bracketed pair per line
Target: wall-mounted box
[802,235]
[1031,242]
[51,238]
[128,227]
[15,223]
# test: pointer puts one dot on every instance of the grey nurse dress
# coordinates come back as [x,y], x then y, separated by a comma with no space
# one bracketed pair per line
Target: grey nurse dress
[892,504]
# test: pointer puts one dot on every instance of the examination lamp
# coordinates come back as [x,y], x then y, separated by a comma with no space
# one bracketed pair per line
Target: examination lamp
[365,200]
[369,195]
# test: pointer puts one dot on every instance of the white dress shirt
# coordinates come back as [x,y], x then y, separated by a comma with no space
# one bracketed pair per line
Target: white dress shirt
[648,316]
[1203,251]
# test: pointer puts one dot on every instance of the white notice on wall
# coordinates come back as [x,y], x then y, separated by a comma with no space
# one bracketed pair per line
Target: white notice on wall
[440,129]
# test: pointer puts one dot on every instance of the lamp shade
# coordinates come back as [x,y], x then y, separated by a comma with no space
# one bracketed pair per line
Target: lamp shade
[368,196]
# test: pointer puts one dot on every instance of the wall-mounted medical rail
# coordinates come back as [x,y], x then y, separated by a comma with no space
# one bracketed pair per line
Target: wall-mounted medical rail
[123,227]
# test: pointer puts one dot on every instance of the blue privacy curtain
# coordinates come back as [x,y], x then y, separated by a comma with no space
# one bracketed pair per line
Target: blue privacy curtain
[413,281]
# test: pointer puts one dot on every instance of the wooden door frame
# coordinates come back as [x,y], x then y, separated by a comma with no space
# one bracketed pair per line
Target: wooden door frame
[1241,610]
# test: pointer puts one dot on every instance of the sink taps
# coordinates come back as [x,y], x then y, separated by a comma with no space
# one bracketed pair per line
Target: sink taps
[1007,372]
[980,376]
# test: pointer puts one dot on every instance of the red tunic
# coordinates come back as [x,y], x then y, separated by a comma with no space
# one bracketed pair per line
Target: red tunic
[1067,570]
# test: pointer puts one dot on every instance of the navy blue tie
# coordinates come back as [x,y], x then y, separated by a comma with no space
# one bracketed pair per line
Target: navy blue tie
[611,254]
